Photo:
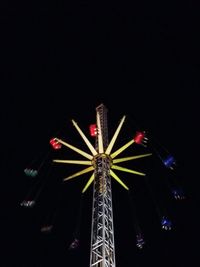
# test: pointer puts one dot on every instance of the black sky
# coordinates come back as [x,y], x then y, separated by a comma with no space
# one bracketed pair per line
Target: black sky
[58,62]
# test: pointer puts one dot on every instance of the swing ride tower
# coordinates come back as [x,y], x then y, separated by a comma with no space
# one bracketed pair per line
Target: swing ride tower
[102,163]
[102,252]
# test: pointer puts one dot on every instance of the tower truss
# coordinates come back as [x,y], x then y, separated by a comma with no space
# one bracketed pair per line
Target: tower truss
[102,252]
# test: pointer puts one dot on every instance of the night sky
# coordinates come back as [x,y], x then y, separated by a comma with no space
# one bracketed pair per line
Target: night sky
[59,61]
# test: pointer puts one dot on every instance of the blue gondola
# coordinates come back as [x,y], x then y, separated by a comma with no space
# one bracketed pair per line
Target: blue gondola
[169,162]
[166,223]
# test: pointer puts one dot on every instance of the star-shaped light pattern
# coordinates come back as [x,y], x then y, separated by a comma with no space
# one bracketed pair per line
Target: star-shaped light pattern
[100,152]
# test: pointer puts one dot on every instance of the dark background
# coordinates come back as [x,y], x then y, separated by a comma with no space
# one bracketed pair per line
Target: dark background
[60,61]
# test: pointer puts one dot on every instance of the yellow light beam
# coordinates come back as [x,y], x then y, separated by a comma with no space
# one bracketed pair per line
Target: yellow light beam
[99,132]
[121,149]
[89,145]
[88,183]
[81,162]
[118,179]
[127,170]
[112,142]
[84,154]
[131,158]
[79,173]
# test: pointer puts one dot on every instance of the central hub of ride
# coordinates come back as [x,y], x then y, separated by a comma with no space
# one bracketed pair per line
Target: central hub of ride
[101,157]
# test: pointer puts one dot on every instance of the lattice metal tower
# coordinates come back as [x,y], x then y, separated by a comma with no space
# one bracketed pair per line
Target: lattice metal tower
[102,253]
[102,163]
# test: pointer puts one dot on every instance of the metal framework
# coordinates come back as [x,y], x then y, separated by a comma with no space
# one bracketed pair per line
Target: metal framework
[101,163]
[102,252]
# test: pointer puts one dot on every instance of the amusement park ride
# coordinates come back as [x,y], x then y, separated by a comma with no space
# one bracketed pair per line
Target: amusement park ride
[103,162]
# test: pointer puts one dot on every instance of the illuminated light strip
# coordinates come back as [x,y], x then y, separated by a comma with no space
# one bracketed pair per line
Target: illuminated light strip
[90,146]
[84,154]
[120,150]
[112,142]
[81,162]
[131,158]
[79,173]
[99,132]
[88,183]
[127,170]
[118,179]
